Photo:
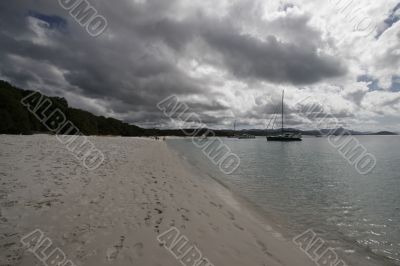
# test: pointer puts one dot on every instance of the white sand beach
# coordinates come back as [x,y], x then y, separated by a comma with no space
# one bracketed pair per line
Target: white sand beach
[114,214]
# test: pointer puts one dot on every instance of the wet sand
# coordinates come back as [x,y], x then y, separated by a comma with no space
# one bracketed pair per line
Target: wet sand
[114,214]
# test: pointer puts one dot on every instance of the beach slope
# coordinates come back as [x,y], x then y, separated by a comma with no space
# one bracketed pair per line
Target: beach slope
[115,214]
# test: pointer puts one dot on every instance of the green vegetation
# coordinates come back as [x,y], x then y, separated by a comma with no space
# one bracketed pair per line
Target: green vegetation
[17,119]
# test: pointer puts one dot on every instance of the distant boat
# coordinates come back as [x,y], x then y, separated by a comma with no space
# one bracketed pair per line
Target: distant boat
[241,136]
[234,130]
[204,136]
[246,136]
[285,136]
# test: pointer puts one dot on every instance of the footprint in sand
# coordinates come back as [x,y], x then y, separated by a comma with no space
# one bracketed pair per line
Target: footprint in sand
[265,250]
[262,246]
[172,223]
[185,218]
[231,215]
[147,218]
[138,249]
[112,253]
[238,226]
[157,226]
[215,204]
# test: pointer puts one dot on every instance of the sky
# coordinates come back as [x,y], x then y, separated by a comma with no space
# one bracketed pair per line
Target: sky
[227,60]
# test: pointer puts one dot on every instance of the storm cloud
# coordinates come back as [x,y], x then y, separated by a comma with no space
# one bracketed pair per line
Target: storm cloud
[210,54]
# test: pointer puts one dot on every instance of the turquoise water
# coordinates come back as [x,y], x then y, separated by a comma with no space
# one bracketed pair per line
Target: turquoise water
[309,185]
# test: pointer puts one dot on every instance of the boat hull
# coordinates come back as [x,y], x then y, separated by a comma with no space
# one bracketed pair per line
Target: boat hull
[280,138]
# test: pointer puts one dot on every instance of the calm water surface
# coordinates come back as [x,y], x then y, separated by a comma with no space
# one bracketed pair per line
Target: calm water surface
[308,185]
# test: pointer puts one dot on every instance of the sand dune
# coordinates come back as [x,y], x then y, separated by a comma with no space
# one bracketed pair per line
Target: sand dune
[113,215]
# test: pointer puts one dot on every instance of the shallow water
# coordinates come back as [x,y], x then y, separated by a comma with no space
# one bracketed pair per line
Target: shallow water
[309,185]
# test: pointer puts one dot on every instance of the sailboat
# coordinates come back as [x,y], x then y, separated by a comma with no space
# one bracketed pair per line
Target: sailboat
[234,131]
[241,135]
[285,136]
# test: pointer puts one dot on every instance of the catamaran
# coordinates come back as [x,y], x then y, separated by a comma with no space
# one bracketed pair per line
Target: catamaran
[284,136]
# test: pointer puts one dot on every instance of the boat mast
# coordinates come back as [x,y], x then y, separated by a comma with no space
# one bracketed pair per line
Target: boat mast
[283,95]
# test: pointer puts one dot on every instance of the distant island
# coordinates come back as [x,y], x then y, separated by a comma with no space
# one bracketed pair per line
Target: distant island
[16,119]
[385,133]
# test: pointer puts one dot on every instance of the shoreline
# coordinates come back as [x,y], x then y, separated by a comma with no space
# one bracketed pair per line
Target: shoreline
[114,214]
[234,199]
[352,253]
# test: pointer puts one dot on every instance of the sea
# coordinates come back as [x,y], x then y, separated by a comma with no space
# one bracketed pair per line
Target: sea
[310,185]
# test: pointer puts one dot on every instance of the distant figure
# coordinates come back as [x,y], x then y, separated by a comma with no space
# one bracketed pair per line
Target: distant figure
[164,138]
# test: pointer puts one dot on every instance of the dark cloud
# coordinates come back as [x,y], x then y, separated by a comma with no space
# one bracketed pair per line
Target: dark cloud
[272,60]
[143,56]
[356,96]
[286,6]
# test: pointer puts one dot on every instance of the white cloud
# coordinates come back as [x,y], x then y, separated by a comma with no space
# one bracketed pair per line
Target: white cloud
[237,55]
